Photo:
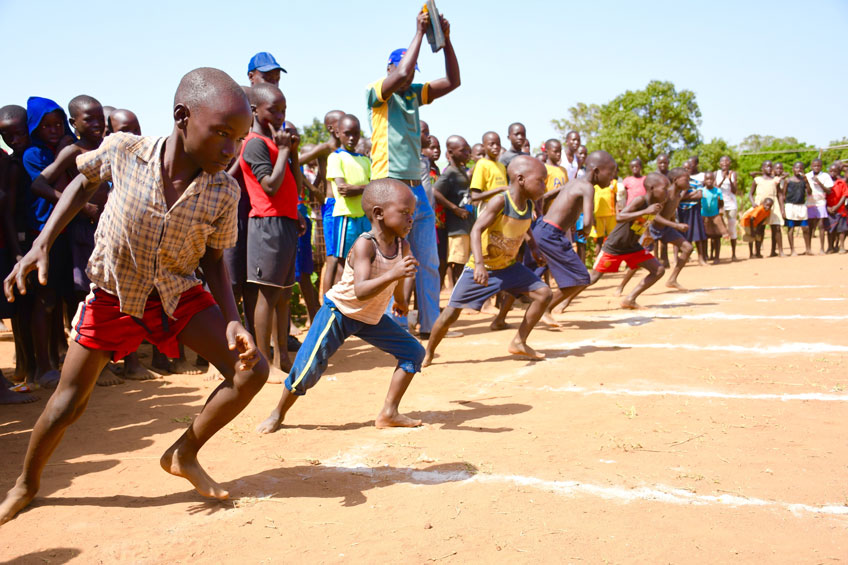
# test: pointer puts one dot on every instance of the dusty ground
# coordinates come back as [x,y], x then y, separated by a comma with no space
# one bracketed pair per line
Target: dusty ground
[708,428]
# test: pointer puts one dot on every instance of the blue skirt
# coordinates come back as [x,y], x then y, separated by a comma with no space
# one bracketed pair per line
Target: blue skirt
[692,217]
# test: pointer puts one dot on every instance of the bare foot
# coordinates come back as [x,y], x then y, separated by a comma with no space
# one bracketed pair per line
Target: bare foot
[703,263]
[10,397]
[16,500]
[189,468]
[183,367]
[497,325]
[428,360]
[108,378]
[619,291]
[395,421]
[271,424]
[276,376]
[161,364]
[519,348]
[216,376]
[549,320]
[138,373]
[630,304]
[201,364]
[676,285]
[49,379]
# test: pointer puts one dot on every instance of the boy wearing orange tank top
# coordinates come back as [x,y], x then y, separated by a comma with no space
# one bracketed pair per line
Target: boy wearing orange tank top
[356,305]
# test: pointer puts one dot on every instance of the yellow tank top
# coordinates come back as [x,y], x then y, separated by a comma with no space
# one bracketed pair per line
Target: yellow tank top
[503,238]
[605,199]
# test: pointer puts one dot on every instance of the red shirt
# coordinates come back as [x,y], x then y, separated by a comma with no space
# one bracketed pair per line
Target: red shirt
[284,202]
[840,189]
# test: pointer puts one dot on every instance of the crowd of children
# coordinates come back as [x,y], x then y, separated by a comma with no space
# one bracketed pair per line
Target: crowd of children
[198,239]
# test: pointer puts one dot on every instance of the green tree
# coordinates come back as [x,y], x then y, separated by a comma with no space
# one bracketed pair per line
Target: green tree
[641,123]
[314,133]
[708,155]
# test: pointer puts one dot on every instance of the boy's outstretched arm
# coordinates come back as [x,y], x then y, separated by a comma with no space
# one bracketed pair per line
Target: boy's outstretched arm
[73,199]
[361,256]
[218,279]
[637,208]
[451,81]
[405,70]
[42,185]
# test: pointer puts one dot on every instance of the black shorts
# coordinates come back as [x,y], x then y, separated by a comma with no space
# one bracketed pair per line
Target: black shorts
[271,251]
[235,258]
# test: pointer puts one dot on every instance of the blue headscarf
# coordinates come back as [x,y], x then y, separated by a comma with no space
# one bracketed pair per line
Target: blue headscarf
[38,155]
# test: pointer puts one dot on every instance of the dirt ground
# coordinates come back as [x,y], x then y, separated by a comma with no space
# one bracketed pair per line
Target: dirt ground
[710,427]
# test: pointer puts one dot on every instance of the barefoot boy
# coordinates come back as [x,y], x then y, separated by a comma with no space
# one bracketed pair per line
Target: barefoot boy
[624,244]
[171,208]
[495,239]
[378,261]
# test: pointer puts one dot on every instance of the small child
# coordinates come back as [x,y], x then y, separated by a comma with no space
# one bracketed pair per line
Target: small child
[557,175]
[489,177]
[711,207]
[625,243]
[768,185]
[348,173]
[689,210]
[122,120]
[635,183]
[378,261]
[797,190]
[451,191]
[171,208]
[837,213]
[495,239]
[754,223]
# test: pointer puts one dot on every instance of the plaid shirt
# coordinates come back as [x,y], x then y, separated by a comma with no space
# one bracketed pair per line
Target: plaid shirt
[140,245]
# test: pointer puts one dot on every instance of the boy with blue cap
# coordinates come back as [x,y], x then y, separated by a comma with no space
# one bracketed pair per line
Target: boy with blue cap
[393,103]
[263,67]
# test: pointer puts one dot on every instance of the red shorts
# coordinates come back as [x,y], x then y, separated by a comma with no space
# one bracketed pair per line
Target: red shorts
[606,263]
[100,324]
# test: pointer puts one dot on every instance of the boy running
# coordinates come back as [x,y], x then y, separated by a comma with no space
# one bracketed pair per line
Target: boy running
[171,208]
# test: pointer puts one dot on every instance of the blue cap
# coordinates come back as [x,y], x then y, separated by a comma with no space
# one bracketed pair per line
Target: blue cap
[263,62]
[397,55]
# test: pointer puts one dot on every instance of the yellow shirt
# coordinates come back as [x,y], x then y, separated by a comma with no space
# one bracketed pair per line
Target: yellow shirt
[488,175]
[504,237]
[557,177]
[605,200]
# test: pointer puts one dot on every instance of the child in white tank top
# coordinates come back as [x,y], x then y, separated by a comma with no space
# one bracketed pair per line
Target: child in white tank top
[378,261]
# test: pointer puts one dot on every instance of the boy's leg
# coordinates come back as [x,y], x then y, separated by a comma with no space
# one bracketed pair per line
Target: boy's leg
[206,334]
[499,323]
[808,247]
[716,245]
[541,297]
[44,305]
[267,297]
[391,338]
[790,237]
[624,280]
[448,316]
[134,370]
[68,402]
[655,273]
[281,350]
[684,250]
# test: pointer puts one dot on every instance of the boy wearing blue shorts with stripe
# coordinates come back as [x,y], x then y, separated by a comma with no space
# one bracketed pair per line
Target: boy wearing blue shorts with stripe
[348,172]
[379,260]
[496,238]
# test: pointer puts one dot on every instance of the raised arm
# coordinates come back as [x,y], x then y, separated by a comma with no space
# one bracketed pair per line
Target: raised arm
[451,80]
[637,208]
[402,74]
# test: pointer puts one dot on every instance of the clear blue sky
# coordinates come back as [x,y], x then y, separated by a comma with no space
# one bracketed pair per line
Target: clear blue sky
[768,69]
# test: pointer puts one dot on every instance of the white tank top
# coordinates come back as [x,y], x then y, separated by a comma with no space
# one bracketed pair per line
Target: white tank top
[371,310]
[728,197]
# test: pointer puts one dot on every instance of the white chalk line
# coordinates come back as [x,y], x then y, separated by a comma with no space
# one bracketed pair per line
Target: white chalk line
[824,397]
[784,348]
[655,493]
[719,316]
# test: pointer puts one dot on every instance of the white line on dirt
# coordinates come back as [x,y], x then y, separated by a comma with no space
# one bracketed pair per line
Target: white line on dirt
[656,493]
[700,394]
[784,348]
[718,316]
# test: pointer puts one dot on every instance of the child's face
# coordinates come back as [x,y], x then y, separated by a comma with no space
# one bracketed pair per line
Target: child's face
[348,133]
[636,168]
[213,133]
[573,142]
[767,204]
[768,168]
[477,152]
[724,163]
[89,122]
[292,131]
[125,122]
[52,128]
[662,164]
[270,77]
[459,153]
[834,171]
[798,169]
[492,146]
[435,148]
[778,169]
[681,183]
[554,153]
[709,179]
[534,182]
[816,166]
[15,134]
[397,214]
[525,147]
[272,111]
[582,153]
[517,138]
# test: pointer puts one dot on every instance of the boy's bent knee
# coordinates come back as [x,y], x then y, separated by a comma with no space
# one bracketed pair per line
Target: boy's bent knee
[412,364]
[543,294]
[660,271]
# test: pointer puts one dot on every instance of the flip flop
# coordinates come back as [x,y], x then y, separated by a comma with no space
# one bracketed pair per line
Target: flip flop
[25,387]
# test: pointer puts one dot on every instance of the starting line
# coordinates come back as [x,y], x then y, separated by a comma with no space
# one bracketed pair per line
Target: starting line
[699,394]
[782,349]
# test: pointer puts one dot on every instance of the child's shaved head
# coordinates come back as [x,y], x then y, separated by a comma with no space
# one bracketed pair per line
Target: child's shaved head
[348,119]
[79,103]
[656,180]
[676,173]
[13,112]
[332,117]
[490,134]
[599,159]
[264,93]
[380,192]
[206,87]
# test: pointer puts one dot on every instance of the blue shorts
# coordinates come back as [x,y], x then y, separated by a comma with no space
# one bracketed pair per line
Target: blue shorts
[565,265]
[665,234]
[347,230]
[328,332]
[515,279]
[797,223]
[329,225]
[303,260]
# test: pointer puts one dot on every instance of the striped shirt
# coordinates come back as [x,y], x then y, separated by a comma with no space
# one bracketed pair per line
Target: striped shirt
[140,245]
